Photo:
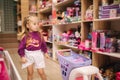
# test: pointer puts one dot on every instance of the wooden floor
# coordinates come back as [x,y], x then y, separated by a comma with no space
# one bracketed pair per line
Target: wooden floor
[52,69]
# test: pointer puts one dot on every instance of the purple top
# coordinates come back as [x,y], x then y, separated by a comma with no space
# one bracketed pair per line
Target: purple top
[32,43]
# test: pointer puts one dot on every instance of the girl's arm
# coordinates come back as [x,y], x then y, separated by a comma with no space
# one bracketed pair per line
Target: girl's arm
[44,47]
[22,47]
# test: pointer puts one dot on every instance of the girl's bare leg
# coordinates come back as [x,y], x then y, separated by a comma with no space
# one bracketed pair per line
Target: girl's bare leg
[30,72]
[42,73]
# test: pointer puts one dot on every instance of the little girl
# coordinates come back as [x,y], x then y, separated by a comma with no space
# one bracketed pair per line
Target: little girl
[31,47]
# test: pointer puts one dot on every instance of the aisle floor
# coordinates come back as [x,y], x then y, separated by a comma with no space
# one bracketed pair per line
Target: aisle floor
[52,69]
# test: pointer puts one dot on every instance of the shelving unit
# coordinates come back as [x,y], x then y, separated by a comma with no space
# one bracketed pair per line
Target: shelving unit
[86,26]
[104,58]
[106,24]
[19,16]
[59,28]
[45,15]
[24,9]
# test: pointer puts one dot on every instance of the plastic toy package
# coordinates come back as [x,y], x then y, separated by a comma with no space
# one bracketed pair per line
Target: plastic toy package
[4,75]
[3,71]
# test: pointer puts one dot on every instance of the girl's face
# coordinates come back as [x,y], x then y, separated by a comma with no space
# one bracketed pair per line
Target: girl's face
[33,24]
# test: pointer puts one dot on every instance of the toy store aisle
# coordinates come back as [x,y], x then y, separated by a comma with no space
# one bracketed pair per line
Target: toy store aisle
[52,68]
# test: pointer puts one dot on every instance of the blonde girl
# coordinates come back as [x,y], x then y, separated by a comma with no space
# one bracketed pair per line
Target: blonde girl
[31,47]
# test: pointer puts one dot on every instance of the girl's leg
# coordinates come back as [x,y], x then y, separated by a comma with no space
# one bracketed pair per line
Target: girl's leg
[42,73]
[30,72]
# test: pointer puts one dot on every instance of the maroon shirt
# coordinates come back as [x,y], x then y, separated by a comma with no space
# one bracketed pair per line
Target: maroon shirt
[31,43]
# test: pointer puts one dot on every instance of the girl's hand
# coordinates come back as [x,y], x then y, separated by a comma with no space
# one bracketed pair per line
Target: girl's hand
[47,56]
[23,60]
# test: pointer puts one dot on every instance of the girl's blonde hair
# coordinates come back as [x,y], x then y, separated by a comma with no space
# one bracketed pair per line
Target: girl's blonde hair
[24,27]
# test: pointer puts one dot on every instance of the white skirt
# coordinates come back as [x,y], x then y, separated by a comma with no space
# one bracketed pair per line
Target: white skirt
[34,57]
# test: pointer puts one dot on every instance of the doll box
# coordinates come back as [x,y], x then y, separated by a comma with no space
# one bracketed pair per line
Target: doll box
[116,6]
[106,12]
[104,16]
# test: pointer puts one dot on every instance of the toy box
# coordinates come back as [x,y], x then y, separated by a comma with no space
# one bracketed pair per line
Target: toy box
[69,60]
[116,6]
[8,70]
[3,71]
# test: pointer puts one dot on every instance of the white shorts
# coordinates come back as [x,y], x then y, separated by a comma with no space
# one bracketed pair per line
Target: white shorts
[34,57]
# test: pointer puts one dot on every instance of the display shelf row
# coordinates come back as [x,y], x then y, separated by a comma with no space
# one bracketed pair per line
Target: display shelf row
[113,54]
[96,10]
[87,11]
[107,19]
[116,55]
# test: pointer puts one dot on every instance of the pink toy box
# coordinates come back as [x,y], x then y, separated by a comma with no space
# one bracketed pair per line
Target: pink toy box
[8,70]
[3,68]
[85,45]
[118,76]
[3,71]
[69,60]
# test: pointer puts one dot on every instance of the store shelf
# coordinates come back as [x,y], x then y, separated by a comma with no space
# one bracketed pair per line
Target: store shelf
[65,2]
[66,45]
[71,46]
[46,10]
[117,55]
[47,25]
[49,42]
[87,21]
[68,23]
[108,19]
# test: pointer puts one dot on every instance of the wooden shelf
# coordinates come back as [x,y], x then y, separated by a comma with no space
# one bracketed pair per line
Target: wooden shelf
[68,23]
[47,25]
[66,45]
[65,2]
[87,21]
[49,42]
[116,55]
[71,46]
[107,19]
[46,10]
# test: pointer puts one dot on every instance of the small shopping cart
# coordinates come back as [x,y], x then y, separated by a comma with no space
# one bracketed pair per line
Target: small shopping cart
[69,60]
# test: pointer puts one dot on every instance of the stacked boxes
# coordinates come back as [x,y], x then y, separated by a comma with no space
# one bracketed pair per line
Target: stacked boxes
[109,11]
